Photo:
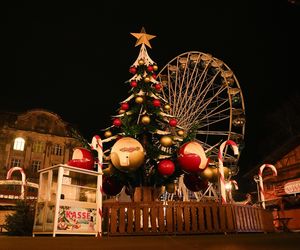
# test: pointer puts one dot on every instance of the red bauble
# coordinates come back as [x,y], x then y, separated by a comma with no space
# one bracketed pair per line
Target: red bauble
[117,122]
[150,68]
[166,167]
[157,87]
[173,122]
[189,154]
[133,84]
[154,76]
[156,103]
[194,183]
[190,162]
[82,158]
[111,185]
[124,106]
[132,70]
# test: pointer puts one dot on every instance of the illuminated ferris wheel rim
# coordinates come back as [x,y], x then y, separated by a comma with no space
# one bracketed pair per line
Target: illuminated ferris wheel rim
[203,89]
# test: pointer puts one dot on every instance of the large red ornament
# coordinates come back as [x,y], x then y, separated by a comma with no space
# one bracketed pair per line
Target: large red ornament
[156,103]
[192,157]
[132,70]
[189,162]
[82,158]
[117,122]
[166,167]
[194,183]
[124,106]
[173,122]
[111,185]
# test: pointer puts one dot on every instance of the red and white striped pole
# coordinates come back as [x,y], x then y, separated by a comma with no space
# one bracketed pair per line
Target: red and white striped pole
[221,167]
[261,185]
[97,145]
[8,176]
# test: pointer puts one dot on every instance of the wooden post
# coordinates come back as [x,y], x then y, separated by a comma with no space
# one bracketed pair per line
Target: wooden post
[147,194]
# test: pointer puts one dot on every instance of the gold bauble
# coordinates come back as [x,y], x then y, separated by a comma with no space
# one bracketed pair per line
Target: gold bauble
[226,172]
[155,68]
[206,174]
[167,107]
[180,132]
[139,99]
[170,187]
[122,111]
[210,174]
[215,176]
[107,134]
[127,154]
[145,119]
[147,79]
[141,62]
[166,141]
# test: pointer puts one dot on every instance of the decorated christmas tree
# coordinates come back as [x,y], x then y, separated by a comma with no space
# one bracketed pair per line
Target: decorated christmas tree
[144,146]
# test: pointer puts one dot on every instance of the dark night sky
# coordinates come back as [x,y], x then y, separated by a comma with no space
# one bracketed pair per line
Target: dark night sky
[73,59]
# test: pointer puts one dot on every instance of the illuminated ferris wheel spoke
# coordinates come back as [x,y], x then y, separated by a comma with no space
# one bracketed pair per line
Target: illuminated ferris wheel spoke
[204,93]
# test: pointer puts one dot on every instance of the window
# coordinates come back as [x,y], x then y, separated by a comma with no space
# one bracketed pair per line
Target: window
[57,150]
[36,165]
[19,144]
[15,163]
[38,147]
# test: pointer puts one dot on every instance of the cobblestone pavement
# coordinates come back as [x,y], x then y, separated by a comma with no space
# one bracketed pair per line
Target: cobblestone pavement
[246,241]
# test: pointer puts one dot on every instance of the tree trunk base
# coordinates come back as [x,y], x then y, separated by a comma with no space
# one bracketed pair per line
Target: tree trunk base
[147,194]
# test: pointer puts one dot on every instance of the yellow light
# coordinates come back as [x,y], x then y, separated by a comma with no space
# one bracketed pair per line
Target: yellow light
[228,186]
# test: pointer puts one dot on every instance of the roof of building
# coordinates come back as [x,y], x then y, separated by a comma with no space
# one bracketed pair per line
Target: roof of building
[276,154]
[37,120]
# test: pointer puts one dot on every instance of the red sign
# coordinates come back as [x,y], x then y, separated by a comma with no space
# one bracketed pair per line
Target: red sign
[292,187]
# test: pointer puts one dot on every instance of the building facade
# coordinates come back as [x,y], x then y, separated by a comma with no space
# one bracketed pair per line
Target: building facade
[282,192]
[33,140]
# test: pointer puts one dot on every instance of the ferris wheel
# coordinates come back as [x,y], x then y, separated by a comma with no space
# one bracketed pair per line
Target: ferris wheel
[204,94]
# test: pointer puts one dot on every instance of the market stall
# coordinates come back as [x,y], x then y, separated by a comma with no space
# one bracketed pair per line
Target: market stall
[68,201]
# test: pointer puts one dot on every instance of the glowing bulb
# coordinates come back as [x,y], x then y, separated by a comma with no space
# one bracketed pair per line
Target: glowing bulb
[228,186]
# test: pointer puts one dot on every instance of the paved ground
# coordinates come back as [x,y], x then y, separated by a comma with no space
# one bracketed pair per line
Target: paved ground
[247,241]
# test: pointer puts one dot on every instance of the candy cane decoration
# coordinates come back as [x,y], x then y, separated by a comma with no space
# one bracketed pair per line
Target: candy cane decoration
[8,177]
[97,145]
[221,167]
[261,185]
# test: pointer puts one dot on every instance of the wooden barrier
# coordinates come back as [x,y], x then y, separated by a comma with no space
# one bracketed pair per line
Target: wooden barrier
[173,217]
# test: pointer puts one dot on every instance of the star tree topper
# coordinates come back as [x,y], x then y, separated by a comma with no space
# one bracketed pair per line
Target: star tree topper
[142,38]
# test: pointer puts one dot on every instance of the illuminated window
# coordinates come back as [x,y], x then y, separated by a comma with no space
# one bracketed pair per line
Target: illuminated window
[15,163]
[38,147]
[57,150]
[19,144]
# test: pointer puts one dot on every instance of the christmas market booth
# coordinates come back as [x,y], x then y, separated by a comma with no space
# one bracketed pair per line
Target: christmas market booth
[68,201]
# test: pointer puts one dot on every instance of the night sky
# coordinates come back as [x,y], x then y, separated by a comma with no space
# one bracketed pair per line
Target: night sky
[73,58]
